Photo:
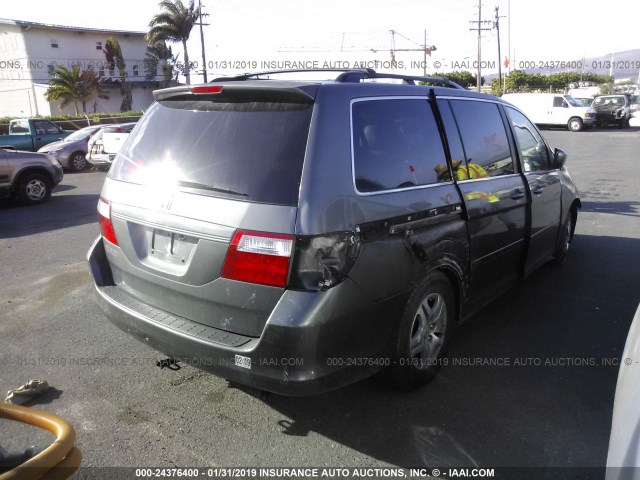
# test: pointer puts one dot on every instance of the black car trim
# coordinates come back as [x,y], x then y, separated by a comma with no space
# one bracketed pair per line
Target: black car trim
[434,216]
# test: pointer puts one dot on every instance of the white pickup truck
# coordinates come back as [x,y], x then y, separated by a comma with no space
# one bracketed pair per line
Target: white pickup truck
[106,143]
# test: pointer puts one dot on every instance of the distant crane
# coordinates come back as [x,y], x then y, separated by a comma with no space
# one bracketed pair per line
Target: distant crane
[426,49]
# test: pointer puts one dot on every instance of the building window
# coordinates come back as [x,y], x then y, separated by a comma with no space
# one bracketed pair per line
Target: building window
[98,45]
[135,70]
[54,43]
[101,72]
[112,72]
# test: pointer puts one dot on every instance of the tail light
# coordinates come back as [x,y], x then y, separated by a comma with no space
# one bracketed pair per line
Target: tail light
[104,217]
[258,257]
[321,262]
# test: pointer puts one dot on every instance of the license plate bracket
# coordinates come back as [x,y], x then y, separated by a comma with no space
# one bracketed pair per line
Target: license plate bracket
[171,246]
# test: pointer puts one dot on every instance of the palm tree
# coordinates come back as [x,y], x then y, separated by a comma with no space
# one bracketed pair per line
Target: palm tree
[174,24]
[159,56]
[72,86]
[113,55]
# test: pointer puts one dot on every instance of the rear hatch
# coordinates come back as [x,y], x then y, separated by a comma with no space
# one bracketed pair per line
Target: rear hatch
[206,168]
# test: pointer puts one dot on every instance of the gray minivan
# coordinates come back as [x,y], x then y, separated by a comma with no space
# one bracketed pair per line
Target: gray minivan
[300,235]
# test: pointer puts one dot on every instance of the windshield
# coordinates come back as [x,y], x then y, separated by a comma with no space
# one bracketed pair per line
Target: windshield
[572,101]
[250,150]
[80,134]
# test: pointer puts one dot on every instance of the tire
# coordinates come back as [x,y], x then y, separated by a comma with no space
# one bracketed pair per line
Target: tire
[564,241]
[574,124]
[423,334]
[34,189]
[77,161]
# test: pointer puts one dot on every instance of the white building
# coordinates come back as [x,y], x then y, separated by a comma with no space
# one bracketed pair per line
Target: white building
[29,51]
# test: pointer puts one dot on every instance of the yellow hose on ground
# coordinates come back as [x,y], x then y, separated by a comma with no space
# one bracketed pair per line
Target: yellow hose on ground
[59,460]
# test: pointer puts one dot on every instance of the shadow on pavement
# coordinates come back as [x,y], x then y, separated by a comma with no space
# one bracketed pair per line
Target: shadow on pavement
[530,380]
[64,211]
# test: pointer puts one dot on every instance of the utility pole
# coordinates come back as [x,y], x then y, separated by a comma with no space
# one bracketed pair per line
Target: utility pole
[496,24]
[479,28]
[201,23]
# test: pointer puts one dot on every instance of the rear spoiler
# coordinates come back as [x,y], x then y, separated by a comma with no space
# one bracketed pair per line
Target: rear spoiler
[294,91]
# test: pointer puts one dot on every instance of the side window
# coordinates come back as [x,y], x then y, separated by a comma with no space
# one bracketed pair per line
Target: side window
[453,138]
[396,144]
[484,139]
[558,102]
[20,127]
[44,128]
[533,151]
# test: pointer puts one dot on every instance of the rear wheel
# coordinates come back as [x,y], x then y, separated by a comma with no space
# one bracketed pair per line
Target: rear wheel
[575,124]
[77,161]
[34,188]
[424,333]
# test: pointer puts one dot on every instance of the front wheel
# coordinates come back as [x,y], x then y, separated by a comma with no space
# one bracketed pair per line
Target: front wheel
[35,188]
[77,161]
[564,242]
[575,124]
[424,332]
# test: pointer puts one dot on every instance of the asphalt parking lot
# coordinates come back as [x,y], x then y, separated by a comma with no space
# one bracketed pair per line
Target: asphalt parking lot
[559,334]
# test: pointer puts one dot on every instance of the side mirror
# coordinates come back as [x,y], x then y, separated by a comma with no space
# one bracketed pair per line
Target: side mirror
[559,158]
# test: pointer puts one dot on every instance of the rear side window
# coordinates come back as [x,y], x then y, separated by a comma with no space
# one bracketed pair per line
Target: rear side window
[484,139]
[396,145]
[245,150]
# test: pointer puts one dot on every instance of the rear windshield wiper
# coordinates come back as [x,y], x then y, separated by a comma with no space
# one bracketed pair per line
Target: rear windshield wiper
[205,186]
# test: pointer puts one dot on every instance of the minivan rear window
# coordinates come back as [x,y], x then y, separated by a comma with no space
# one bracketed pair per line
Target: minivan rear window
[250,151]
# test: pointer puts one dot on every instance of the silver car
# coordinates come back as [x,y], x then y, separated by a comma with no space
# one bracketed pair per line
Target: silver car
[71,151]
[28,176]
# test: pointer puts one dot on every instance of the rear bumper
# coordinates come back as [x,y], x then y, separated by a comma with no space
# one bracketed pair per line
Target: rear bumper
[307,347]
[102,158]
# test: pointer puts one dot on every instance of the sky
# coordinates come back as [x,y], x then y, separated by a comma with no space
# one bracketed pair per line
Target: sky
[248,35]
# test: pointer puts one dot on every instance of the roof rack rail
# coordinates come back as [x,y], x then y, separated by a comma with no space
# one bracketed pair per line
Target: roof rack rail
[255,76]
[347,75]
[358,75]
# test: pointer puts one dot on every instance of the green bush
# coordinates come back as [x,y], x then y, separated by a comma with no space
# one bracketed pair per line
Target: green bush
[94,118]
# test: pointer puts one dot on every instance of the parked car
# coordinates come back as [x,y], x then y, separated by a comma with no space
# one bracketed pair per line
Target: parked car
[553,109]
[612,109]
[30,134]
[296,236]
[107,143]
[71,151]
[27,175]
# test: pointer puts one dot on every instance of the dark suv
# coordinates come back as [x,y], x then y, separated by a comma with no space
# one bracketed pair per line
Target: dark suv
[612,109]
[296,236]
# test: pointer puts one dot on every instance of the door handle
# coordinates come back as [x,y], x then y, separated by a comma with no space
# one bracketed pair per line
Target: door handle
[537,190]
[517,194]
